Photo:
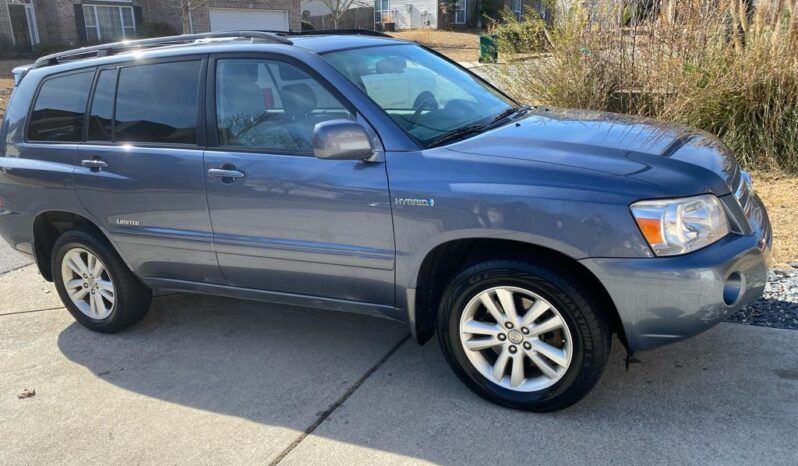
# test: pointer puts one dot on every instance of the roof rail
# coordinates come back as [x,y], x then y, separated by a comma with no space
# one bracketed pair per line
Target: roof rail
[104,50]
[362,32]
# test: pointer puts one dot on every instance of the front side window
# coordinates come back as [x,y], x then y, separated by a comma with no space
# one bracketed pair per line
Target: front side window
[271,105]
[59,109]
[158,103]
[425,94]
[108,23]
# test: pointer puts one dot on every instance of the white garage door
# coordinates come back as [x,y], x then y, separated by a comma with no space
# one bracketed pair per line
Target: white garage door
[223,19]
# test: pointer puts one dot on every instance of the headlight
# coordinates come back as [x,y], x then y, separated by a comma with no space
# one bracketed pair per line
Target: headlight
[679,226]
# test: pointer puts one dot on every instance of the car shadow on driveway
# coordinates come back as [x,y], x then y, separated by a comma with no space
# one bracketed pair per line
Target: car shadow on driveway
[240,358]
[719,394]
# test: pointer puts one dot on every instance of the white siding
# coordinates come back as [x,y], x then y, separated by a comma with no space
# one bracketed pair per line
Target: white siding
[318,8]
[415,14]
[228,19]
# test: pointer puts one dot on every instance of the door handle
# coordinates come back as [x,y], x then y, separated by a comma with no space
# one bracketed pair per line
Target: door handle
[228,173]
[95,164]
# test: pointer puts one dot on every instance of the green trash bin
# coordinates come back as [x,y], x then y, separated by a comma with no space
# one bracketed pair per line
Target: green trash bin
[488,52]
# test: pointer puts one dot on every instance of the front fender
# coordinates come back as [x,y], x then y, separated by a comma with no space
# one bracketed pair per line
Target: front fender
[439,196]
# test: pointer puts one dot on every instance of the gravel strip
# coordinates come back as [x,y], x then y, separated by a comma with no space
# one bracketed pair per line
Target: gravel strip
[778,308]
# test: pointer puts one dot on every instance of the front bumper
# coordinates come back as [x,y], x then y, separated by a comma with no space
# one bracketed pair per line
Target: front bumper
[666,299]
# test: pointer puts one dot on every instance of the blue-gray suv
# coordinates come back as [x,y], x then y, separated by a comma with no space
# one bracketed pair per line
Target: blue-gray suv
[356,172]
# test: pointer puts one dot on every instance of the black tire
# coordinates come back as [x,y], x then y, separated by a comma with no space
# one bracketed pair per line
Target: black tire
[131,297]
[591,338]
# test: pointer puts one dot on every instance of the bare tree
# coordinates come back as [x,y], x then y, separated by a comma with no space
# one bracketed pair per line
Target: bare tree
[186,7]
[338,8]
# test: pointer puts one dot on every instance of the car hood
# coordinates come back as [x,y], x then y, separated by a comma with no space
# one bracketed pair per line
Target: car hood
[677,159]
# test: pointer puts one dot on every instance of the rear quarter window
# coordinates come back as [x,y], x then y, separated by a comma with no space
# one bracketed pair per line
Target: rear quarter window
[59,108]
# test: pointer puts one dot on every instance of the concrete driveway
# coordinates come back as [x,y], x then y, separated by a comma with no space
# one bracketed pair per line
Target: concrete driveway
[207,380]
[11,259]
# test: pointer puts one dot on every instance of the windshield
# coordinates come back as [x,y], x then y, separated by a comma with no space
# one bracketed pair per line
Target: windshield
[427,96]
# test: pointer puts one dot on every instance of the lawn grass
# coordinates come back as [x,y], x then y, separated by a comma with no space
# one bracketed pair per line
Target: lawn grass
[5,93]
[7,65]
[457,46]
[7,81]
[777,191]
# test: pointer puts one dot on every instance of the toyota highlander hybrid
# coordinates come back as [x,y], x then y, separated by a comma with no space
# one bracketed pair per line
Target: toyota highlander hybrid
[356,172]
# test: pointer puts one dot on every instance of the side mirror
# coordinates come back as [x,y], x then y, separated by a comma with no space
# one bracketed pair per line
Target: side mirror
[341,140]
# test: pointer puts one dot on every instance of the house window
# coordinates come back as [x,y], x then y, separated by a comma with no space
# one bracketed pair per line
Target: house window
[460,11]
[382,11]
[518,8]
[108,23]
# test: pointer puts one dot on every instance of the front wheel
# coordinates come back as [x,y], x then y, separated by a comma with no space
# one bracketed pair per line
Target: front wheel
[523,335]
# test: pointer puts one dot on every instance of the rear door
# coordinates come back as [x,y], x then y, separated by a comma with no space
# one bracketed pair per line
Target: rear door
[288,222]
[140,172]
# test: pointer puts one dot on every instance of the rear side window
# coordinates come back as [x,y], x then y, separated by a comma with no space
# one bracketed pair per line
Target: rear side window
[60,107]
[158,103]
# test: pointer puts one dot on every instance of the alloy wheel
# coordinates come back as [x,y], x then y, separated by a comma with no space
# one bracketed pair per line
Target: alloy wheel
[88,283]
[516,339]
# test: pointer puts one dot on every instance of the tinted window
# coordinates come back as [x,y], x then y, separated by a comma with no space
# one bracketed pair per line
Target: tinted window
[158,103]
[60,107]
[102,107]
[271,105]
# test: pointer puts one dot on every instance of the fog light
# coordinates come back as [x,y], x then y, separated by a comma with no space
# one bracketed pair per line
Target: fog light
[733,289]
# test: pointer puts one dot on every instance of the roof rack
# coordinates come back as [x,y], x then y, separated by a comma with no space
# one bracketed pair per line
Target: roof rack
[104,50]
[362,32]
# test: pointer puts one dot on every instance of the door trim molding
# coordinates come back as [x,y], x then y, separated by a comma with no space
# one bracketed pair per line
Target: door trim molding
[305,251]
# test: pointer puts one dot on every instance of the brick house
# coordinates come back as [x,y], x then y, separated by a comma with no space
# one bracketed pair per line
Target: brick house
[79,22]
[418,14]
[465,14]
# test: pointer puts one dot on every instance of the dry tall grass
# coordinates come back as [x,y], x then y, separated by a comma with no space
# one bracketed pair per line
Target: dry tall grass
[711,64]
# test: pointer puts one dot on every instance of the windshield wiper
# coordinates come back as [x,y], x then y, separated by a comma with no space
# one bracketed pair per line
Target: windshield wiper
[471,129]
[512,111]
[456,134]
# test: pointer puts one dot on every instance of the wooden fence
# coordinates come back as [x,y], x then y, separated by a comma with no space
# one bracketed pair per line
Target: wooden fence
[354,18]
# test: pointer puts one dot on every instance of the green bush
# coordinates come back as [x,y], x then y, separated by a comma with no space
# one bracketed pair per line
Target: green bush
[307,25]
[525,36]
[708,65]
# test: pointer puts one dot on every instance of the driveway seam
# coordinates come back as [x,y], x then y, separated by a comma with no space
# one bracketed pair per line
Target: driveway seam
[28,312]
[340,401]
[15,268]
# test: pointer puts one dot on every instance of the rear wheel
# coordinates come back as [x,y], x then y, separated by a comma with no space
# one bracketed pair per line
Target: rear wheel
[95,285]
[523,335]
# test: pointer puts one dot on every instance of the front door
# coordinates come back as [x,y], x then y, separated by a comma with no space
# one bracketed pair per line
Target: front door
[140,172]
[283,220]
